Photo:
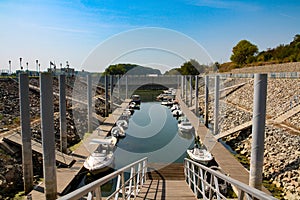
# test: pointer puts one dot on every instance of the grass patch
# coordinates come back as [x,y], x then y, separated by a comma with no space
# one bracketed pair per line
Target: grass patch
[243,160]
[276,192]
[19,196]
[74,147]
[1,116]
[16,120]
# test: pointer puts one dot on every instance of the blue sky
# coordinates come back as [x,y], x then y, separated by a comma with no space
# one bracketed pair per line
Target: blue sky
[62,30]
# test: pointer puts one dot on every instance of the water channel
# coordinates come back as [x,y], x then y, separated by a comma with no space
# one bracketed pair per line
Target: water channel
[152,133]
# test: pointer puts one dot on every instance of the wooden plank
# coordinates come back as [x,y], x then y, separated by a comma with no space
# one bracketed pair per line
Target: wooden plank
[165,189]
[37,147]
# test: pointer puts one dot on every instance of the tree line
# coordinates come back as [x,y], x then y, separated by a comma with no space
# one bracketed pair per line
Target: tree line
[247,54]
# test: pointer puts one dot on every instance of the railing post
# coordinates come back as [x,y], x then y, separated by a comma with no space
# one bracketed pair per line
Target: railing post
[138,177]
[48,136]
[98,193]
[206,93]
[62,113]
[216,109]
[130,181]
[194,178]
[123,185]
[25,132]
[89,103]
[258,130]
[189,174]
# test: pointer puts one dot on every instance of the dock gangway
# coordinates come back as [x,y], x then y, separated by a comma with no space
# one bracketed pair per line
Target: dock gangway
[202,182]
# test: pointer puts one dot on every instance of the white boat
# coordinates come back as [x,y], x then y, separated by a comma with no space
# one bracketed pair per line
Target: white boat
[136,99]
[167,102]
[185,126]
[200,155]
[175,107]
[110,141]
[118,131]
[182,118]
[123,123]
[127,112]
[177,113]
[103,158]
[134,105]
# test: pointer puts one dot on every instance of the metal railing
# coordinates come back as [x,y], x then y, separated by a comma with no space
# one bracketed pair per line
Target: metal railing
[124,189]
[207,183]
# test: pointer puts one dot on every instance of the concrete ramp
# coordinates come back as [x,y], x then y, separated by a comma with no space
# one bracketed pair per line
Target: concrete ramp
[234,130]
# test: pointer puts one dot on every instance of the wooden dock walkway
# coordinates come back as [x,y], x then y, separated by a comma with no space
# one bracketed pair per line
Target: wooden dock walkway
[228,163]
[165,182]
[65,176]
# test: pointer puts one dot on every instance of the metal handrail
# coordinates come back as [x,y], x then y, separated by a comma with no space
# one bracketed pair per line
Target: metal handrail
[134,183]
[207,183]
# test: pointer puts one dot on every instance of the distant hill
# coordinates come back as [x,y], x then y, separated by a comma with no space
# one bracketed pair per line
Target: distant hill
[130,69]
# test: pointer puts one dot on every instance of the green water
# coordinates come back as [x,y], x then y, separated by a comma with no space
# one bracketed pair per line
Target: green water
[152,133]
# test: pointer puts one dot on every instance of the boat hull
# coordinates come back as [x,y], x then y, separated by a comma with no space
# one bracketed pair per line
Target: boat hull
[205,159]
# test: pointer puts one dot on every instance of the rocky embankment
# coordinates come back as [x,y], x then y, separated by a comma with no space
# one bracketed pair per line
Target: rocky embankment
[11,165]
[282,145]
[281,157]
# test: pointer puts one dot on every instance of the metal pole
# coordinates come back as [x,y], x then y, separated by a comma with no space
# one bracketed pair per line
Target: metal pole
[182,86]
[119,80]
[111,91]
[126,79]
[216,109]
[196,95]
[48,136]
[62,113]
[258,130]
[191,91]
[206,93]
[26,132]
[89,103]
[185,89]
[106,94]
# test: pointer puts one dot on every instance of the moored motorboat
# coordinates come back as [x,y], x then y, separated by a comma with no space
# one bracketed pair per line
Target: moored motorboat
[185,126]
[200,155]
[167,102]
[177,113]
[133,105]
[102,159]
[123,123]
[182,118]
[118,131]
[175,107]
[136,99]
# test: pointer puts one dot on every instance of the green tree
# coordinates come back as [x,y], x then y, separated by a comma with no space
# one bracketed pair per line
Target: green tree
[244,53]
[117,69]
[191,67]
